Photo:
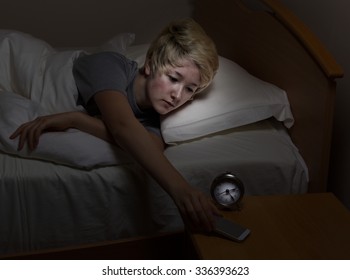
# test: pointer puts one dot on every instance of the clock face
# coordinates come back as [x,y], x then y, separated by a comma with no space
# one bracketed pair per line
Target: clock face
[227,193]
[227,190]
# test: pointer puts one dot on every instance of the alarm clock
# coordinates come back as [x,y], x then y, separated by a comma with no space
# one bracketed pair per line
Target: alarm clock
[227,191]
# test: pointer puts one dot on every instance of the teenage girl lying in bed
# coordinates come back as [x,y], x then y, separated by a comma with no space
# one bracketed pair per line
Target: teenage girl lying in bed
[180,63]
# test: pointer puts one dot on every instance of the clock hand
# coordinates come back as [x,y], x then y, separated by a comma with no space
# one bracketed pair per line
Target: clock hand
[224,192]
[227,191]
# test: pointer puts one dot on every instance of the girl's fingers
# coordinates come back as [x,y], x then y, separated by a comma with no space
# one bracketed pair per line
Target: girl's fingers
[199,212]
[14,134]
[204,213]
[17,132]
[34,133]
[23,135]
[28,132]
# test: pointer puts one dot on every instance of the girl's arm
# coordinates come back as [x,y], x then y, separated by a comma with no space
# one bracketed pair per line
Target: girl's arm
[30,132]
[195,207]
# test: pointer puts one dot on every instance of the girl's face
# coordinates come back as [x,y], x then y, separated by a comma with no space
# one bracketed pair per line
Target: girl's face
[172,88]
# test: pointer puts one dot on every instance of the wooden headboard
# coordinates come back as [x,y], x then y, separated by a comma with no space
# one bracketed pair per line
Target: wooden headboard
[275,46]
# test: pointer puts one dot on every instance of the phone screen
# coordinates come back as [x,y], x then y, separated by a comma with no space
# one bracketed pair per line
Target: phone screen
[231,229]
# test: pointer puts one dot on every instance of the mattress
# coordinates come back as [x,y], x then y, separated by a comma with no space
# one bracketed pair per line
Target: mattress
[46,205]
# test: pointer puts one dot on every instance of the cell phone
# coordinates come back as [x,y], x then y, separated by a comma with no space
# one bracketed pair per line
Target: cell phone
[231,229]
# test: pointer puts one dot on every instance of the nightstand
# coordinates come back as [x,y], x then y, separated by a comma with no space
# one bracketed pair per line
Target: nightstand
[307,226]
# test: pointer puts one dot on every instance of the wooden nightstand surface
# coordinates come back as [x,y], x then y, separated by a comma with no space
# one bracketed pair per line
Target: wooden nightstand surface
[308,226]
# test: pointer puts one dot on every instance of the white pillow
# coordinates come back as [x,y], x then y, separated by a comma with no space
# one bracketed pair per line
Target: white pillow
[235,98]
[72,147]
[37,80]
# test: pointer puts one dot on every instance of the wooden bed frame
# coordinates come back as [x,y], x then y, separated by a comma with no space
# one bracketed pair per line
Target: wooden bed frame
[277,47]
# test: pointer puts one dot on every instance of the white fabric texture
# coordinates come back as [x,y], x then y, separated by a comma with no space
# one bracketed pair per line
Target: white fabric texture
[47,205]
[72,147]
[36,80]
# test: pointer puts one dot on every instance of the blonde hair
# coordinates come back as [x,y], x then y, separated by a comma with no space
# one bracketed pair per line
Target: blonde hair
[184,39]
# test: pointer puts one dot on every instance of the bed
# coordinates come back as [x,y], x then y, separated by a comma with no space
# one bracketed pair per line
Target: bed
[277,141]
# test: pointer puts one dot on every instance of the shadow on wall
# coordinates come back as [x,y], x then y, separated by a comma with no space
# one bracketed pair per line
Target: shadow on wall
[328,20]
[49,20]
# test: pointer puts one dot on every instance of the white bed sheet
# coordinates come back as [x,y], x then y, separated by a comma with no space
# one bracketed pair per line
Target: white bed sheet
[46,205]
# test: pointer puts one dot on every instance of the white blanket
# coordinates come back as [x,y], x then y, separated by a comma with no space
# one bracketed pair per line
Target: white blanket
[45,205]
[37,80]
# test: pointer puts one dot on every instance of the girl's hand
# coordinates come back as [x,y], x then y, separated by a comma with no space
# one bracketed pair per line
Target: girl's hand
[30,132]
[197,209]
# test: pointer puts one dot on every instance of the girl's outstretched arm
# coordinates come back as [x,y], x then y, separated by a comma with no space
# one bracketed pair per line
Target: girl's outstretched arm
[119,126]
[195,207]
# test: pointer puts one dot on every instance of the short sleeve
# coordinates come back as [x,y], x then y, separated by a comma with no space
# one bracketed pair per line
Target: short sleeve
[102,71]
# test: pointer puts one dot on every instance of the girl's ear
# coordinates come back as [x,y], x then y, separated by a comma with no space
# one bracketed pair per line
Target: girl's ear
[147,68]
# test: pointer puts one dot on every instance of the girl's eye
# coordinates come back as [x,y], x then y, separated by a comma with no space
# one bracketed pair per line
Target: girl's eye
[191,90]
[173,79]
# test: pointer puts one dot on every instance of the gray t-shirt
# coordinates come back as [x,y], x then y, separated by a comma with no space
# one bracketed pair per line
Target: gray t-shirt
[110,71]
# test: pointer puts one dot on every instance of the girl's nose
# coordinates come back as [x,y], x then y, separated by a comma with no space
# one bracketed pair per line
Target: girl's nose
[176,93]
